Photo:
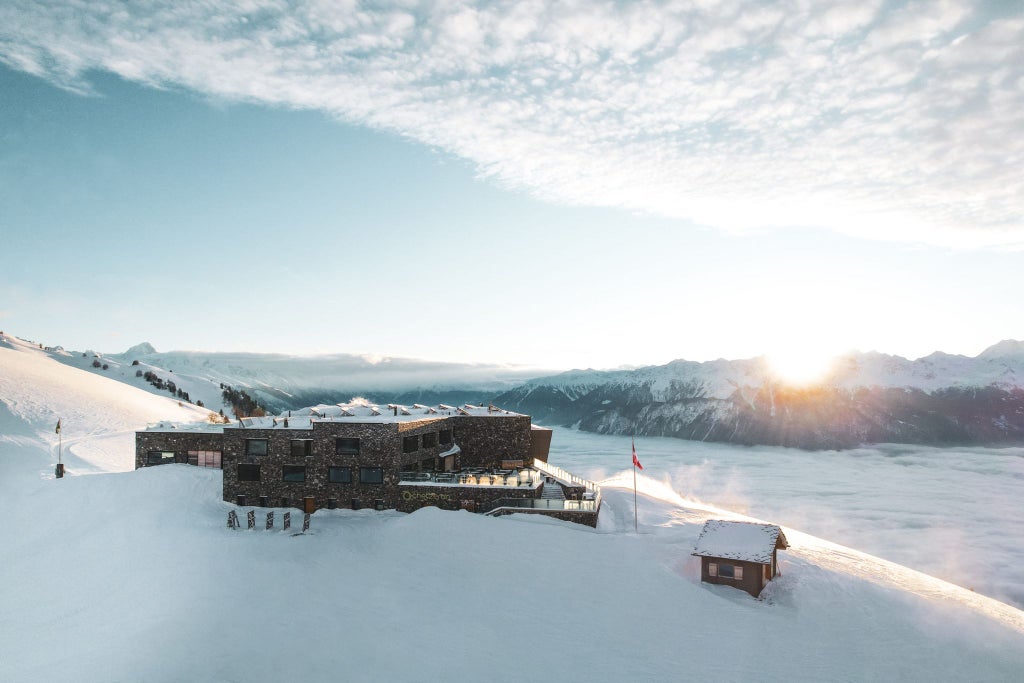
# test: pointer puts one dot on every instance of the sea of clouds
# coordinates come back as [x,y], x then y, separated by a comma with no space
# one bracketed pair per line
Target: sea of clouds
[953,513]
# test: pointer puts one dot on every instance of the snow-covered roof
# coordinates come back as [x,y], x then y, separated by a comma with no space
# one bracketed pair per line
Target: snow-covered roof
[359,412]
[745,541]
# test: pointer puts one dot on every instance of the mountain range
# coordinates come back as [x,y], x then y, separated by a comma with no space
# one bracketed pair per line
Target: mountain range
[940,399]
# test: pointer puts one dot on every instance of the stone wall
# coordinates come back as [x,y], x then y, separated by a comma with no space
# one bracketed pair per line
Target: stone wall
[575,516]
[486,440]
[181,442]
[472,498]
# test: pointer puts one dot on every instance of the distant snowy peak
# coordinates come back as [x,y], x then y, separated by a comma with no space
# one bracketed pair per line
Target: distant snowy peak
[143,349]
[1008,348]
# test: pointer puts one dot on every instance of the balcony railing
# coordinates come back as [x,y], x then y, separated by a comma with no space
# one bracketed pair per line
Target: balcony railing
[586,505]
[559,473]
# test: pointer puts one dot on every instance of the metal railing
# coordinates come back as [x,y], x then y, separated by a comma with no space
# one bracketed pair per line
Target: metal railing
[559,473]
[587,505]
[469,478]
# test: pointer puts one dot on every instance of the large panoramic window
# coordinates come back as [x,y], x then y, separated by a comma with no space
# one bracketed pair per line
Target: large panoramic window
[302,448]
[159,457]
[339,475]
[411,444]
[255,446]
[293,473]
[371,475]
[204,459]
[445,436]
[248,472]
[430,440]
[346,446]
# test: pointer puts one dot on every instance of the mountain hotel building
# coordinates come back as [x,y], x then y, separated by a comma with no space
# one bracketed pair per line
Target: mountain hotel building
[477,458]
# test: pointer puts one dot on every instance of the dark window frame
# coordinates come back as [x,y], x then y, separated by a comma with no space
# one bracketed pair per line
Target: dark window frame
[352,445]
[161,460]
[444,437]
[249,451]
[375,480]
[429,440]
[306,451]
[294,470]
[411,439]
[250,467]
[337,468]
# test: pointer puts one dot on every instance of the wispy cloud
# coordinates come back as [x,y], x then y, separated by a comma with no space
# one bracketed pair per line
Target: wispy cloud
[887,120]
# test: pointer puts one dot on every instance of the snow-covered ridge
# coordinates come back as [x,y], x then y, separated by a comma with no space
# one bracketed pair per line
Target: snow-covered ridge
[1001,365]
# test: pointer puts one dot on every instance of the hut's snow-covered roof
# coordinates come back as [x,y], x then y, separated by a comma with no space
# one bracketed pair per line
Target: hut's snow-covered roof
[744,541]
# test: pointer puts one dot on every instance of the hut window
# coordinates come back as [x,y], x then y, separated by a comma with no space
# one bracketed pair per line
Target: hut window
[248,472]
[728,571]
[255,446]
[346,446]
[411,444]
[293,473]
[302,448]
[712,569]
[371,475]
[339,475]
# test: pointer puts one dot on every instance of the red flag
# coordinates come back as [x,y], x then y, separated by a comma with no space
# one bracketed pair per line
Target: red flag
[636,462]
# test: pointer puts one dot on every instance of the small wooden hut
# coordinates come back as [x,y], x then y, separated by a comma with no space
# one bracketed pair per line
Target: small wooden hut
[740,554]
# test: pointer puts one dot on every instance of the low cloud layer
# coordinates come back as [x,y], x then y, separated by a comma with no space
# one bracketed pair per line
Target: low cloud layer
[879,119]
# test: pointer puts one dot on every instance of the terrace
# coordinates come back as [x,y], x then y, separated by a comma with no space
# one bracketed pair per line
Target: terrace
[475,476]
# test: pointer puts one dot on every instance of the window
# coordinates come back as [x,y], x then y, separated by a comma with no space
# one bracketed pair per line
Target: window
[410,444]
[255,446]
[339,475]
[371,475]
[159,457]
[204,459]
[712,569]
[302,448]
[346,446]
[293,473]
[248,472]
[430,440]
[728,571]
[445,436]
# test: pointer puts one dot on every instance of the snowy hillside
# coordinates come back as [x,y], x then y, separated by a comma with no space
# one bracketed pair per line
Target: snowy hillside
[133,576]
[99,415]
[281,381]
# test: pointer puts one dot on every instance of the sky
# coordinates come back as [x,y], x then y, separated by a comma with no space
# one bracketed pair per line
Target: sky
[557,185]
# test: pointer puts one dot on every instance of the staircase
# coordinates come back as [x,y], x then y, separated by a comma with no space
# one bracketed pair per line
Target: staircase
[552,491]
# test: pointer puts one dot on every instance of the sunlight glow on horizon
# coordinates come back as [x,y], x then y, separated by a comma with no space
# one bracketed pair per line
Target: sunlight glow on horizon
[801,365]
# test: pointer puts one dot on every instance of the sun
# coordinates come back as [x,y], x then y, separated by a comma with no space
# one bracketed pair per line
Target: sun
[800,366]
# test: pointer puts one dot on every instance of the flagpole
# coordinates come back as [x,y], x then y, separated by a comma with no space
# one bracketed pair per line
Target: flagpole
[636,529]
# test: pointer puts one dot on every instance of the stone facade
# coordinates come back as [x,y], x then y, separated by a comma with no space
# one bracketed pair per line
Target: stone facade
[178,442]
[486,440]
[586,518]
[472,498]
[274,466]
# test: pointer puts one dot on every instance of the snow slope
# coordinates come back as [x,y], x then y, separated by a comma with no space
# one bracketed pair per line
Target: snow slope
[99,415]
[133,576]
